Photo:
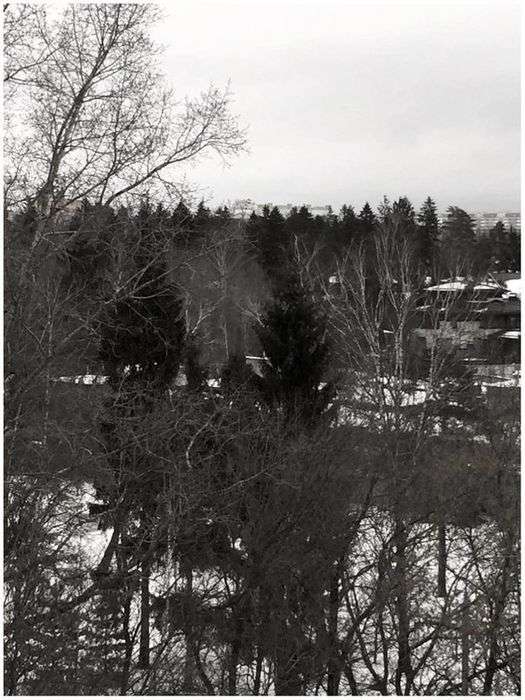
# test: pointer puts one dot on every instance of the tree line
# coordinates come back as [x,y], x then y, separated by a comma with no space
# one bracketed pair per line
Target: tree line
[344,520]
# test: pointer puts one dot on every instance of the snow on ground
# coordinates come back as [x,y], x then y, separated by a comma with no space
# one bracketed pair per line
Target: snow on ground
[91,540]
[514,286]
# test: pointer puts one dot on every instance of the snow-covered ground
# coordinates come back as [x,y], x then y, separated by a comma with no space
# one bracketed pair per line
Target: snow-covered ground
[514,286]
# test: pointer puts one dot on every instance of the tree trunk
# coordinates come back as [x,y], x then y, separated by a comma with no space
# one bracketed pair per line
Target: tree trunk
[189,658]
[234,657]
[465,646]
[287,679]
[258,671]
[287,676]
[501,595]
[144,616]
[404,667]
[442,561]
[334,668]
[126,636]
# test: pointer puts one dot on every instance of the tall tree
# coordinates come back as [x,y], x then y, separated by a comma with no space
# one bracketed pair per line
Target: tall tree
[515,249]
[294,341]
[458,240]
[427,234]
[367,222]
[141,347]
[268,235]
[202,217]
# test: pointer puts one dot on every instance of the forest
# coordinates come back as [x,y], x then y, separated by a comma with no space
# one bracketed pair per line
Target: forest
[230,467]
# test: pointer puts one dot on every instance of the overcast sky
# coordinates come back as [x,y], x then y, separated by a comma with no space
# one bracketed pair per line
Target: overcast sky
[346,101]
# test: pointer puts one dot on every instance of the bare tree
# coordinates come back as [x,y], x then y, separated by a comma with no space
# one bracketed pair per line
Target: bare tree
[92,116]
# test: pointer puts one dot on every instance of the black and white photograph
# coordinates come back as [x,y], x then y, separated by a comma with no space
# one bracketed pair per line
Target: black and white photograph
[262,321]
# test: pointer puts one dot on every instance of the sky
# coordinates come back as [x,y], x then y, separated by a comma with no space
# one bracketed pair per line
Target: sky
[348,101]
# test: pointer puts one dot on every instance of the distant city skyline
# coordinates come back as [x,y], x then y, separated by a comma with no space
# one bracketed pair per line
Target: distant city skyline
[348,101]
[484,219]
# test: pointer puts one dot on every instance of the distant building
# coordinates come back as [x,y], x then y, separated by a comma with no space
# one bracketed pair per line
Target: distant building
[485,220]
[488,219]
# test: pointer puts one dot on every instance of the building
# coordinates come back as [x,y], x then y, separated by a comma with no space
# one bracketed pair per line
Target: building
[481,322]
[487,220]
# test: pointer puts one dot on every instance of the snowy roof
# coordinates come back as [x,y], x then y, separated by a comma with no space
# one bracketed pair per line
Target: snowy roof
[447,287]
[87,379]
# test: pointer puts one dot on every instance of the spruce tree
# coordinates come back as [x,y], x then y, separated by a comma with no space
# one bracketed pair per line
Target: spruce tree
[367,222]
[267,235]
[427,233]
[341,231]
[458,240]
[202,218]
[222,216]
[301,226]
[404,219]
[514,249]
[182,223]
[294,341]
[500,248]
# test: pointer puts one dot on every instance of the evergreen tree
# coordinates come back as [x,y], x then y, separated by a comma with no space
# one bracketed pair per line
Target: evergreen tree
[300,225]
[268,237]
[458,240]
[22,227]
[182,216]
[484,256]
[404,210]
[514,249]
[253,226]
[182,223]
[367,222]
[202,217]
[500,245]
[91,230]
[293,338]
[222,216]
[348,226]
[404,219]
[427,233]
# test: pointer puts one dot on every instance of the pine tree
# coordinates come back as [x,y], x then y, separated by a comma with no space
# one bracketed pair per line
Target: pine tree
[404,210]
[403,218]
[294,341]
[367,222]
[222,216]
[253,226]
[348,226]
[182,223]
[268,237]
[202,218]
[427,233]
[90,231]
[458,240]
[515,249]
[182,216]
[301,226]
